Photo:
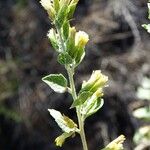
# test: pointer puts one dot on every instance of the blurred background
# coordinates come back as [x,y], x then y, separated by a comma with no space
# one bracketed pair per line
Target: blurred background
[118,45]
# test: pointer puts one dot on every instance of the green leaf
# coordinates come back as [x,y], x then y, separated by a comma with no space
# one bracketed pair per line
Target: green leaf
[66,30]
[57,82]
[65,123]
[71,9]
[91,106]
[95,107]
[52,37]
[61,17]
[142,113]
[56,5]
[81,99]
[79,56]
[64,59]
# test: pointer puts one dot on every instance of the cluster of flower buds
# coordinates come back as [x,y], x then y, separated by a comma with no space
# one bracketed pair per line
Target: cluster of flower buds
[94,86]
[75,44]
[116,144]
[69,43]
[96,81]
[59,10]
[90,96]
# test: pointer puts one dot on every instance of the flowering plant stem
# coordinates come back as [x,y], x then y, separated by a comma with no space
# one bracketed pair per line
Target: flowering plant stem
[80,119]
[70,71]
[70,46]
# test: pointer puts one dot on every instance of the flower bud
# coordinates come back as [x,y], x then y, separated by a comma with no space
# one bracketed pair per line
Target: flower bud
[97,80]
[72,32]
[116,144]
[96,95]
[71,42]
[48,6]
[61,139]
[99,93]
[81,39]
[53,39]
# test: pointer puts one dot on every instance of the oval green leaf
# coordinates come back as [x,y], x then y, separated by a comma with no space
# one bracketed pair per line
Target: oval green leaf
[57,82]
[64,59]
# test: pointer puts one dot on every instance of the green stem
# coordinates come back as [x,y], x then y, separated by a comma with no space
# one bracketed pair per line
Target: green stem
[70,71]
[80,120]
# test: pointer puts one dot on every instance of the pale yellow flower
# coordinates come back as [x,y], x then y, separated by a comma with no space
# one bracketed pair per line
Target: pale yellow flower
[98,93]
[81,38]
[116,144]
[97,79]
[60,140]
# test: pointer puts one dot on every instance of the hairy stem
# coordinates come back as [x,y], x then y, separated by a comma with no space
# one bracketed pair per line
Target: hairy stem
[80,120]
